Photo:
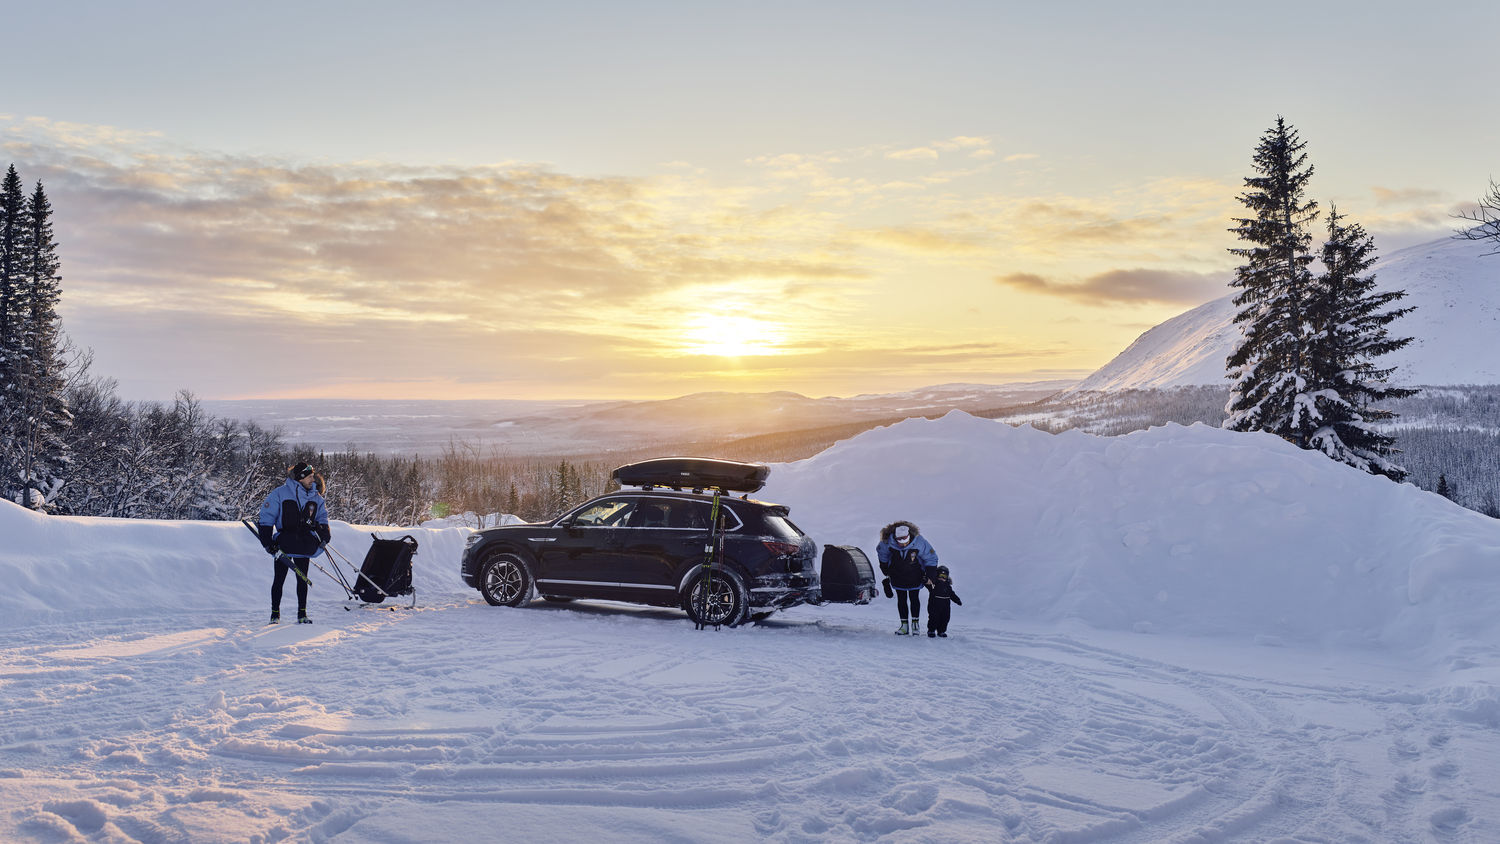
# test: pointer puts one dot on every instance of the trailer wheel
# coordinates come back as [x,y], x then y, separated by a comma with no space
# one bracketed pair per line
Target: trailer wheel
[504,581]
[718,598]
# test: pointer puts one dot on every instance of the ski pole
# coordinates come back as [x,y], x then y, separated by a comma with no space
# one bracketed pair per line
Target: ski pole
[305,578]
[279,554]
[358,574]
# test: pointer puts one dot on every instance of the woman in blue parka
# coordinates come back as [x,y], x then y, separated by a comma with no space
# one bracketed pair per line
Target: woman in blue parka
[294,527]
[906,558]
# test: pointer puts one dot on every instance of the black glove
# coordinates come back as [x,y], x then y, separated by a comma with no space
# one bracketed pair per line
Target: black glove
[886,583]
[957,601]
[325,534]
[266,541]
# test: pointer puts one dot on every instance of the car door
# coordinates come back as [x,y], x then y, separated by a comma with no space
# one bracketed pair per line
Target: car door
[661,535]
[579,558]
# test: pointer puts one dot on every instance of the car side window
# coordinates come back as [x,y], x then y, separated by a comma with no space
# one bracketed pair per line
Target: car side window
[610,513]
[653,514]
[697,515]
[690,514]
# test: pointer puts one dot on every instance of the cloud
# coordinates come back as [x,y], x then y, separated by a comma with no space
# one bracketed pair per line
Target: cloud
[368,241]
[922,241]
[1138,286]
[977,147]
[1407,196]
[915,154]
[257,274]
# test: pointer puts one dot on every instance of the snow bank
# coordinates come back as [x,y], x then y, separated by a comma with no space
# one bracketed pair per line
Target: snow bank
[1189,530]
[1194,531]
[79,566]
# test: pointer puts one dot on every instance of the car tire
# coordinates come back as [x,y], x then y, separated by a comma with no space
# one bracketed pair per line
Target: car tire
[716,598]
[505,581]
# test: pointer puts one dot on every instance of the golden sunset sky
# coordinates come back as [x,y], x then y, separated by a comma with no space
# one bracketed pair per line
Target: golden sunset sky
[644,200]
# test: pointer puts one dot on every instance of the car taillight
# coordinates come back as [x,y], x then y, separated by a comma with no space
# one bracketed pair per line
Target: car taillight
[781,549]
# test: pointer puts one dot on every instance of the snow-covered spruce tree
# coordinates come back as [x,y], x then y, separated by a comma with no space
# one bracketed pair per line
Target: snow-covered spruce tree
[12,228]
[12,319]
[1270,368]
[1347,319]
[39,384]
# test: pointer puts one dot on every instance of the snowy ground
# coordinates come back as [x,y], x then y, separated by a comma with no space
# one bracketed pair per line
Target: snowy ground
[1179,635]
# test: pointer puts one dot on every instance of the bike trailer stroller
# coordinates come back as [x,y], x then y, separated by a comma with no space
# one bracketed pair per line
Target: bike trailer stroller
[386,571]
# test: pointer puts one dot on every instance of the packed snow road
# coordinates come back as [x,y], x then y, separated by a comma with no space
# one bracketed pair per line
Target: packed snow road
[604,722]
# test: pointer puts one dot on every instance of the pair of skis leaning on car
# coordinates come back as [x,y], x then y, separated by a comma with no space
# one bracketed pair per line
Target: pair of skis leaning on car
[909,562]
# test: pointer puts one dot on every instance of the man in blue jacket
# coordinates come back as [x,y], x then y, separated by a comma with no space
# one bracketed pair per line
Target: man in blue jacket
[906,558]
[293,528]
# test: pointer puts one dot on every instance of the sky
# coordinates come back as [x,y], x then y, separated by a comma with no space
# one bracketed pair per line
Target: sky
[583,200]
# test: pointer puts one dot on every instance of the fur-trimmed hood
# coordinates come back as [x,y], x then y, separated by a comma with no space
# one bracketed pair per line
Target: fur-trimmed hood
[885,532]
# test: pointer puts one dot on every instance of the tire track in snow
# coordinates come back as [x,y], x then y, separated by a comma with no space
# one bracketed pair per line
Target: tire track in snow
[793,730]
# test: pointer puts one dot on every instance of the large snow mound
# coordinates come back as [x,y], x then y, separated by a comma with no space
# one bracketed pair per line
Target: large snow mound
[1194,531]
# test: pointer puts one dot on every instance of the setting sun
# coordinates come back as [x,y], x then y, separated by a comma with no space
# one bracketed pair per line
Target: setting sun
[728,335]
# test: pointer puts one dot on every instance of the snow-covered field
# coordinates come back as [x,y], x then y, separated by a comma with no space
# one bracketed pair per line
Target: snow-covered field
[1182,634]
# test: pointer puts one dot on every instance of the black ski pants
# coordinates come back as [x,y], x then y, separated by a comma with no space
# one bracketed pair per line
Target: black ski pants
[282,568]
[939,610]
[909,598]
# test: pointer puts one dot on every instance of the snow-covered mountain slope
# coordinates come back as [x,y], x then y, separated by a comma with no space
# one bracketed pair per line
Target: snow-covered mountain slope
[1321,666]
[1453,284]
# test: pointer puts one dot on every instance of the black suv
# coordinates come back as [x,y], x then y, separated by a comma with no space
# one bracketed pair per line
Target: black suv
[658,545]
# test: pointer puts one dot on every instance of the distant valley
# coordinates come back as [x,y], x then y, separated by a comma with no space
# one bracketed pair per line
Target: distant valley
[592,429]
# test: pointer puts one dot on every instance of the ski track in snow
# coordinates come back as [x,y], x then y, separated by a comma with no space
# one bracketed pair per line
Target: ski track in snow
[580,721]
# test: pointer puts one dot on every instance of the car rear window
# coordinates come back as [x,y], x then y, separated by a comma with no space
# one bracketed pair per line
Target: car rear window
[783,527]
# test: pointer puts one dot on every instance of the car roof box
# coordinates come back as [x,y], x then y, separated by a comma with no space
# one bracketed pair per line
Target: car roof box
[694,473]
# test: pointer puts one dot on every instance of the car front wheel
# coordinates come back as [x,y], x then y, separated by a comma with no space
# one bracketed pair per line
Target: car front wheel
[504,581]
[716,597]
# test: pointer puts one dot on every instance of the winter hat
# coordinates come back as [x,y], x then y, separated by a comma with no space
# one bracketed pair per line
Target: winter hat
[300,471]
[902,533]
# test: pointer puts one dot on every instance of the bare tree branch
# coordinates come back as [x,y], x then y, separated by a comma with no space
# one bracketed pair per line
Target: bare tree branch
[1486,217]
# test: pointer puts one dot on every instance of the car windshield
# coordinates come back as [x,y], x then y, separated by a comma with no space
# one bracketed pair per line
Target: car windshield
[612,513]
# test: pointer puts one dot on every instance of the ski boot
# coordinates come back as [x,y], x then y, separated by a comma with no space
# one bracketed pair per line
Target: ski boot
[303,619]
[903,631]
[275,617]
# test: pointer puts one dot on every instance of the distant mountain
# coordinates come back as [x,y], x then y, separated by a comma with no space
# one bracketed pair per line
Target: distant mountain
[718,416]
[1453,284]
[522,428]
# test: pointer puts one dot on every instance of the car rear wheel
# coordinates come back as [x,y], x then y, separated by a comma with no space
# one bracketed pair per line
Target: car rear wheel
[717,597]
[504,580]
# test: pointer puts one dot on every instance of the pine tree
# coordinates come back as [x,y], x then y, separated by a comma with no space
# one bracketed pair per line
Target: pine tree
[1442,487]
[38,380]
[1270,368]
[1348,320]
[12,229]
[12,319]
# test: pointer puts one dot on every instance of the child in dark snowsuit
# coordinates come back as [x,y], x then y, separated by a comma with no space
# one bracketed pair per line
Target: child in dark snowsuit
[905,559]
[940,594]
